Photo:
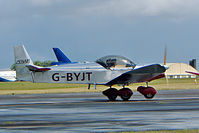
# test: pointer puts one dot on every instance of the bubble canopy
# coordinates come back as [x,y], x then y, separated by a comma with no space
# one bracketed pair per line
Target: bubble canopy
[115,61]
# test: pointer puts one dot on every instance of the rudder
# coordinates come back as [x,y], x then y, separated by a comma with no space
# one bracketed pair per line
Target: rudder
[22,59]
[61,57]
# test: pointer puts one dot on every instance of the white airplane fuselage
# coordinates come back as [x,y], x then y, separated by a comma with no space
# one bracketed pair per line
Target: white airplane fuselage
[81,73]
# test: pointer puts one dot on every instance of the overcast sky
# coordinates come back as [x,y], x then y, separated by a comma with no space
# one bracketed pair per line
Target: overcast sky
[89,29]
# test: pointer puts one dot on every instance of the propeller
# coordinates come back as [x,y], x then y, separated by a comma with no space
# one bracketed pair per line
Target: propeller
[165,63]
[165,55]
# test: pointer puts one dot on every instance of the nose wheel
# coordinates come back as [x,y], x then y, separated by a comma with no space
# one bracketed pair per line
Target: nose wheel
[148,92]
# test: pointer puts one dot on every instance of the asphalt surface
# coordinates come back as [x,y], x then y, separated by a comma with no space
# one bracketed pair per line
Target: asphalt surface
[92,112]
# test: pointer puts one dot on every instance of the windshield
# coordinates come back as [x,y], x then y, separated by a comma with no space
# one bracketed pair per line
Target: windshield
[115,61]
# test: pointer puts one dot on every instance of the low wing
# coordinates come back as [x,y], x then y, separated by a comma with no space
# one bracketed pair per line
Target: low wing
[143,74]
[192,73]
[37,68]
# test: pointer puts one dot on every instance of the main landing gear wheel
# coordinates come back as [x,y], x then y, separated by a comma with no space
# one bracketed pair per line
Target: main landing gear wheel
[149,96]
[125,93]
[148,92]
[111,93]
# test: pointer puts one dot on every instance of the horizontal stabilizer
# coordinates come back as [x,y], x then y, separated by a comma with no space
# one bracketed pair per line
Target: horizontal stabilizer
[37,68]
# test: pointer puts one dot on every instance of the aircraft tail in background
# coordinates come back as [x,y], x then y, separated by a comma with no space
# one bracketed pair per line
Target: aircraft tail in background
[61,57]
[22,59]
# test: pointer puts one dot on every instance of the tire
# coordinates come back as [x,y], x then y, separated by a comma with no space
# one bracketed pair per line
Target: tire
[112,97]
[149,96]
[148,92]
[125,94]
[111,93]
[125,98]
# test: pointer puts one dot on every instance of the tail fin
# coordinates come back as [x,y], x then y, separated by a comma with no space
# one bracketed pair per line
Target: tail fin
[21,60]
[61,57]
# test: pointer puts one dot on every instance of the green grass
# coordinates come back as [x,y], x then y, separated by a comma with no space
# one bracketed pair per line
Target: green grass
[28,87]
[36,86]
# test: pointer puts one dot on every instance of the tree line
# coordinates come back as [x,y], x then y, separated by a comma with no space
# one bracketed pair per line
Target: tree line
[38,63]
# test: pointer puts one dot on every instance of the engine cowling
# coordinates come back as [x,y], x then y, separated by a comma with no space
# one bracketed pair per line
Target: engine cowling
[148,92]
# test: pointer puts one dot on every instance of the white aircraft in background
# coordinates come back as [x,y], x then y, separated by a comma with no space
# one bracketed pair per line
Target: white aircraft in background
[192,73]
[7,76]
[108,70]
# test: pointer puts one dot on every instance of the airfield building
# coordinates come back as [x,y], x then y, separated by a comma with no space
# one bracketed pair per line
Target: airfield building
[177,70]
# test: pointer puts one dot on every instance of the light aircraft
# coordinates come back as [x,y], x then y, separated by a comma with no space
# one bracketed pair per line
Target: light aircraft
[7,76]
[108,70]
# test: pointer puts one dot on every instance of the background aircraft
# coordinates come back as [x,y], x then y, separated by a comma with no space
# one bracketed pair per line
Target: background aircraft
[193,73]
[108,70]
[61,57]
[7,76]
